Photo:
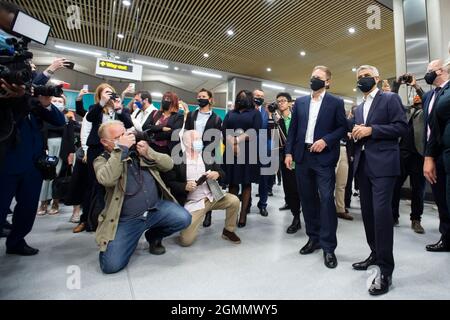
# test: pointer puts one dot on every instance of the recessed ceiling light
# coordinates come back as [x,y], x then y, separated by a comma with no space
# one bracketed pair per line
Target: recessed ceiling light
[176,68]
[126,3]
[303,53]
[117,57]
[354,69]
[206,55]
[354,90]
[351,30]
[269,69]
[230,33]
[120,36]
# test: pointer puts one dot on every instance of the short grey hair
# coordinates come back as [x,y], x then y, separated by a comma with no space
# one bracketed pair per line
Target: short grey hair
[104,127]
[447,65]
[375,71]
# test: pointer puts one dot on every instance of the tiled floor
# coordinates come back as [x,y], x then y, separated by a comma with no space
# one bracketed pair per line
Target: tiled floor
[266,265]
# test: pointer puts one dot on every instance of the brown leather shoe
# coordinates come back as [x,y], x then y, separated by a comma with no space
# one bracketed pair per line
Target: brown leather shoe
[231,236]
[344,216]
[417,227]
[79,228]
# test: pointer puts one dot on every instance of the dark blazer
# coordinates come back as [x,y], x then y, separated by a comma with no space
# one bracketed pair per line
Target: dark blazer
[40,79]
[214,122]
[79,108]
[95,116]
[155,132]
[434,147]
[331,126]
[29,145]
[176,180]
[387,118]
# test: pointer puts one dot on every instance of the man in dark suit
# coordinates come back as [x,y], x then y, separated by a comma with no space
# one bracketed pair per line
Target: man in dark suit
[318,125]
[379,123]
[18,173]
[434,169]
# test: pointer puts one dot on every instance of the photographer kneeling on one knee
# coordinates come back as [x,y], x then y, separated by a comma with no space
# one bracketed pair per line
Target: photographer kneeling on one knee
[137,200]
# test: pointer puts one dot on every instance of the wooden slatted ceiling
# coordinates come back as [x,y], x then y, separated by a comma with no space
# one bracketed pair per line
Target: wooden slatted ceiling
[268,33]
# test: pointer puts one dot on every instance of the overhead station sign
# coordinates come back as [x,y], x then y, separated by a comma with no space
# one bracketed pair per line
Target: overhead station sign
[116,69]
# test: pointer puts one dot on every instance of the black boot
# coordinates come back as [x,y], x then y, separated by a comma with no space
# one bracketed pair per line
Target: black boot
[207,221]
[295,226]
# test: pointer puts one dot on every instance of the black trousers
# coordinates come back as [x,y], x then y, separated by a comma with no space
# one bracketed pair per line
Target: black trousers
[412,167]
[291,195]
[376,207]
[316,185]
[440,192]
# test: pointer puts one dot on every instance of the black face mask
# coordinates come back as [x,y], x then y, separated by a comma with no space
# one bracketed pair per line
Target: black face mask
[203,102]
[242,104]
[259,101]
[430,77]
[366,84]
[317,84]
[166,105]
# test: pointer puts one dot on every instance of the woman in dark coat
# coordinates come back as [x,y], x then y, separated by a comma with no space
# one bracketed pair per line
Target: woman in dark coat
[241,166]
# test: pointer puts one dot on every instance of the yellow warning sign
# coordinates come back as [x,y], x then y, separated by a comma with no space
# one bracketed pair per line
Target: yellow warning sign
[115,66]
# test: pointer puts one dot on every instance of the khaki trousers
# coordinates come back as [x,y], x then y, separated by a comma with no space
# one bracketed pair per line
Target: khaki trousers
[230,203]
[341,180]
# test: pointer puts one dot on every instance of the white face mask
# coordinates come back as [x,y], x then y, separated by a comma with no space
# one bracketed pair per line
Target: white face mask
[60,107]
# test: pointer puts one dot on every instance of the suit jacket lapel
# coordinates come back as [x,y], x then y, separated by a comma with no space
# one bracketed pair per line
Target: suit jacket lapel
[374,105]
[322,107]
[306,108]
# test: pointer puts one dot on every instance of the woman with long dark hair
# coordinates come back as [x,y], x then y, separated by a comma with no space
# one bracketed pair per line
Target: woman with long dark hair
[244,117]
[163,123]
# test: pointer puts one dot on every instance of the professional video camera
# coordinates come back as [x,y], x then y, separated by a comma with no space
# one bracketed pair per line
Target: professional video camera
[15,57]
[273,107]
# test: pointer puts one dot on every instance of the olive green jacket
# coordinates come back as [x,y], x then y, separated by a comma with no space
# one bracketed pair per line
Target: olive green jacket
[111,172]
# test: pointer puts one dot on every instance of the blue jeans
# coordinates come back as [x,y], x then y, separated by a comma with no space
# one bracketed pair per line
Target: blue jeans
[167,219]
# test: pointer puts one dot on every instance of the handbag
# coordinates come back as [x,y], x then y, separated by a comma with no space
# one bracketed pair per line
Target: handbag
[61,185]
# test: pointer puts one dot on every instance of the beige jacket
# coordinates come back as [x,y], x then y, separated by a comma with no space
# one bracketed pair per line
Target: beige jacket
[112,174]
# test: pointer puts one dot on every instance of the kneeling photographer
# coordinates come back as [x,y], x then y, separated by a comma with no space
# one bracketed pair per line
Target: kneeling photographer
[24,109]
[411,156]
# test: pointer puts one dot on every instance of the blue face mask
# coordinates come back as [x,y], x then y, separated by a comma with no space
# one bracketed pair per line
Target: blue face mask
[198,146]
[139,104]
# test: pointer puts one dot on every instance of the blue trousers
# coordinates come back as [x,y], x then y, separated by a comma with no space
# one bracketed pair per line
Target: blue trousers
[316,185]
[26,188]
[164,221]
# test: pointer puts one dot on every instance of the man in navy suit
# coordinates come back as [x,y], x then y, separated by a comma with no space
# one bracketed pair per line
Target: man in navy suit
[434,169]
[379,123]
[317,126]
[19,176]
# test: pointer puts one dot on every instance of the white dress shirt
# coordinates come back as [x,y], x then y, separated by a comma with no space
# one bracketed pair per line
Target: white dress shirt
[196,199]
[86,129]
[314,109]
[139,117]
[368,103]
[431,106]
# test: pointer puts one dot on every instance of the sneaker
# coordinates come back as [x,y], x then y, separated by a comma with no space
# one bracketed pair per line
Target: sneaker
[231,236]
[417,227]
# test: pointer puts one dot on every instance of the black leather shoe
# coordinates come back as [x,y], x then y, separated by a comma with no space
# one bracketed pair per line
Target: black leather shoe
[330,260]
[207,221]
[310,247]
[364,265]
[285,207]
[4,233]
[156,248]
[24,250]
[7,226]
[380,285]
[438,247]
[263,212]
[295,226]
